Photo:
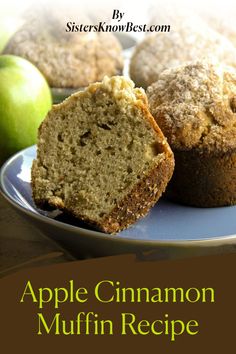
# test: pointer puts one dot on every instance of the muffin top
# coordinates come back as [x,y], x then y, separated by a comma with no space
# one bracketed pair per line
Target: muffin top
[67,59]
[188,40]
[195,106]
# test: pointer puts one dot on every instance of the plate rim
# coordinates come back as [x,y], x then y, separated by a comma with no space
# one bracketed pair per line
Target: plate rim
[98,234]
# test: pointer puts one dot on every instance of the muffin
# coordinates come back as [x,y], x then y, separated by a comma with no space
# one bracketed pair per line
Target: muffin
[189,40]
[195,106]
[101,156]
[66,59]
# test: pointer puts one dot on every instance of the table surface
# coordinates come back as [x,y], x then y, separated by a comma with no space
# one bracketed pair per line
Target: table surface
[21,245]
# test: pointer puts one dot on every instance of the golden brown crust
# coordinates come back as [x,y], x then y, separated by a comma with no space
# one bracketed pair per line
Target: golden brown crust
[203,179]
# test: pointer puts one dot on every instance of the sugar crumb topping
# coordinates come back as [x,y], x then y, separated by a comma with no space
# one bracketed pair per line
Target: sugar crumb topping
[120,86]
[194,105]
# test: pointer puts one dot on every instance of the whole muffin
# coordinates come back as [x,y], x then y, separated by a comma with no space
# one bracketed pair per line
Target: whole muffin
[188,40]
[67,59]
[195,106]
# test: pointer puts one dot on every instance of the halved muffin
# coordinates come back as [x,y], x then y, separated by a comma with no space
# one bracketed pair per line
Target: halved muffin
[101,156]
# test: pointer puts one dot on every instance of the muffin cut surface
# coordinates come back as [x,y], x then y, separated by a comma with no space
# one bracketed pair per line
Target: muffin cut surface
[101,156]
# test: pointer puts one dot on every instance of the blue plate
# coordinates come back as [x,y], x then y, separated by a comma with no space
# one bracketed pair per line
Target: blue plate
[167,225]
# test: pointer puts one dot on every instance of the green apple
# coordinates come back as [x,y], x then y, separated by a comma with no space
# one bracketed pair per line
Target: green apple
[25,99]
